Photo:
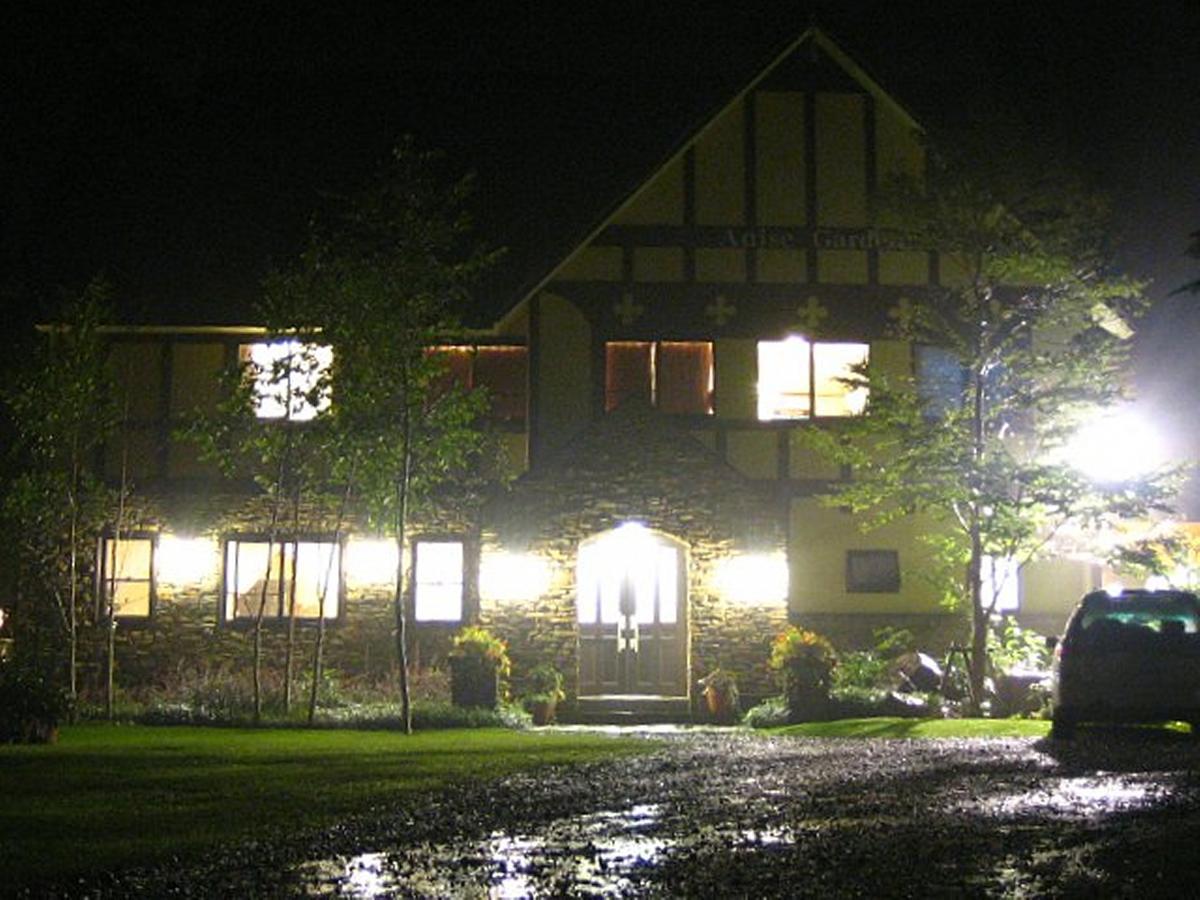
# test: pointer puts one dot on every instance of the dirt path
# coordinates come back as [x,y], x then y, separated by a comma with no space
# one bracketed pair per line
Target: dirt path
[1114,813]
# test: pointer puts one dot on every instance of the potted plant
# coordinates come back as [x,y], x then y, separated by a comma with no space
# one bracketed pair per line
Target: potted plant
[544,689]
[804,661]
[721,695]
[478,666]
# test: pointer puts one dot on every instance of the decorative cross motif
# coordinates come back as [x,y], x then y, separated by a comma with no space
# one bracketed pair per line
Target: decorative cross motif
[811,314]
[627,311]
[903,313]
[720,310]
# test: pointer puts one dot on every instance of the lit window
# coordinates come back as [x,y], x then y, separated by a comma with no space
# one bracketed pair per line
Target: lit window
[798,379]
[500,370]
[127,576]
[675,377]
[872,571]
[310,570]
[439,581]
[1000,582]
[288,379]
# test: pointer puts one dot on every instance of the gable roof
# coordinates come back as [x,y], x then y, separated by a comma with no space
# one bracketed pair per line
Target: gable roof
[813,39]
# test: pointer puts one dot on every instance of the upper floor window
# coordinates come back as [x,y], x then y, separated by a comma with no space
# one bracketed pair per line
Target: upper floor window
[127,575]
[799,379]
[499,370]
[675,377]
[872,571]
[288,381]
[438,577]
[941,379]
[295,575]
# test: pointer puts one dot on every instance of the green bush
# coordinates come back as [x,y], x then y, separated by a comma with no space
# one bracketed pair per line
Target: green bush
[770,713]
[32,705]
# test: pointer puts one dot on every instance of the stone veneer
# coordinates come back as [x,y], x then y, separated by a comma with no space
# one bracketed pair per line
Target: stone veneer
[637,466]
[185,637]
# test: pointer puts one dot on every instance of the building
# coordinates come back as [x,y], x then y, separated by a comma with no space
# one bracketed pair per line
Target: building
[653,389]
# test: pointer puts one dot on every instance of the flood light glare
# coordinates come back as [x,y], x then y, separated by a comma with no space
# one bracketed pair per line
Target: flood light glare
[186,560]
[513,576]
[1115,448]
[371,561]
[753,579]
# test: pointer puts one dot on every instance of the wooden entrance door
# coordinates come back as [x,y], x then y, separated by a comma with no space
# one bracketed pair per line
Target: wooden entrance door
[632,614]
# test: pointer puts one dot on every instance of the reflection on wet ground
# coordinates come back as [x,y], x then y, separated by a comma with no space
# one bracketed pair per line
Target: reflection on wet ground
[715,814]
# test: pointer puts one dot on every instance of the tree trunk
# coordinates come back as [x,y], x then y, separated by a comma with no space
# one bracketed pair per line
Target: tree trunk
[401,525]
[319,645]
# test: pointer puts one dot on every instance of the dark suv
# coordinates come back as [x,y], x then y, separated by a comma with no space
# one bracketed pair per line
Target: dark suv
[1128,657]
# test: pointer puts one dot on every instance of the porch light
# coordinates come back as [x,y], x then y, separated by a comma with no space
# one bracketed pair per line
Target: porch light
[371,561]
[185,560]
[753,579]
[513,576]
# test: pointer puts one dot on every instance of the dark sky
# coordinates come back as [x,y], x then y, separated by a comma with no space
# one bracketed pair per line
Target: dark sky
[179,147]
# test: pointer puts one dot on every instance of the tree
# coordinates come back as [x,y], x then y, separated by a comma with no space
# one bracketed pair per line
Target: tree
[381,284]
[282,455]
[62,409]
[1032,337]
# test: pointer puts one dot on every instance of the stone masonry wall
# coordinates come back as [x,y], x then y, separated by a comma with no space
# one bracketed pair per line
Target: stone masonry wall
[634,465]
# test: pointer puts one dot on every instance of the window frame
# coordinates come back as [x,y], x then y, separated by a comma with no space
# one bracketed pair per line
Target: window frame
[889,585]
[103,580]
[814,379]
[414,563]
[655,369]
[227,608]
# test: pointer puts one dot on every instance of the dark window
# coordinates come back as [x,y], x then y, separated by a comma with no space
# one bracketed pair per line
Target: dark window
[501,371]
[675,377]
[941,379]
[872,571]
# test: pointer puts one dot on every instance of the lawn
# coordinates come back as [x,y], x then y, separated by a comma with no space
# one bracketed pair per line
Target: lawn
[108,796]
[889,727]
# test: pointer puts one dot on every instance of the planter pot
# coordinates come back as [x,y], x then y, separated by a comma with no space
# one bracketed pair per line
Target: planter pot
[474,682]
[543,711]
[720,704]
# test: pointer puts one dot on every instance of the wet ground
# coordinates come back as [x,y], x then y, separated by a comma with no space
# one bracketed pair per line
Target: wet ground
[1114,813]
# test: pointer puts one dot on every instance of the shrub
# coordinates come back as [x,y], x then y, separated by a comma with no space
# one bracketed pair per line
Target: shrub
[805,661]
[31,705]
[543,684]
[771,713]
[479,665]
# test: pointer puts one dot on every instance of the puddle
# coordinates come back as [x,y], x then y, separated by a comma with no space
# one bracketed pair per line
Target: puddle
[598,854]
[1084,797]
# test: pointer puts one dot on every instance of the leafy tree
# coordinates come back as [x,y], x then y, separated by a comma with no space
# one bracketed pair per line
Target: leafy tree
[381,283]
[1032,328]
[62,410]
[283,458]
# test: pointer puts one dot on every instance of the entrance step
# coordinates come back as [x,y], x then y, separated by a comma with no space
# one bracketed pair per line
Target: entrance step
[630,709]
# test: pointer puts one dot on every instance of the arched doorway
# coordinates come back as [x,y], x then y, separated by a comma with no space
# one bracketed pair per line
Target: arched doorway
[632,613]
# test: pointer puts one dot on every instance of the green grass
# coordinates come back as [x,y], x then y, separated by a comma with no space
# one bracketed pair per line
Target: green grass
[108,796]
[889,727]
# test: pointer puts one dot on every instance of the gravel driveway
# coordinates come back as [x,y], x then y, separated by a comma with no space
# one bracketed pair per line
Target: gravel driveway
[732,814]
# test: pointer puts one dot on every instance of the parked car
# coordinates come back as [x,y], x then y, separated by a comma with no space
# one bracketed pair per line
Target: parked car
[1128,657]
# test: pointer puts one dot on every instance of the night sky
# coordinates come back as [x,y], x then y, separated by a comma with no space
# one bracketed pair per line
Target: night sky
[178,148]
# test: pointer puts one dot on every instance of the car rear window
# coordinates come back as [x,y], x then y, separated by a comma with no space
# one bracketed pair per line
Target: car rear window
[1155,616]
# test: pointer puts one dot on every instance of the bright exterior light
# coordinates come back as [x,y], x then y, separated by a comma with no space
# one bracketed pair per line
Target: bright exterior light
[371,562]
[186,561]
[1158,583]
[1116,447]
[753,579]
[513,576]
